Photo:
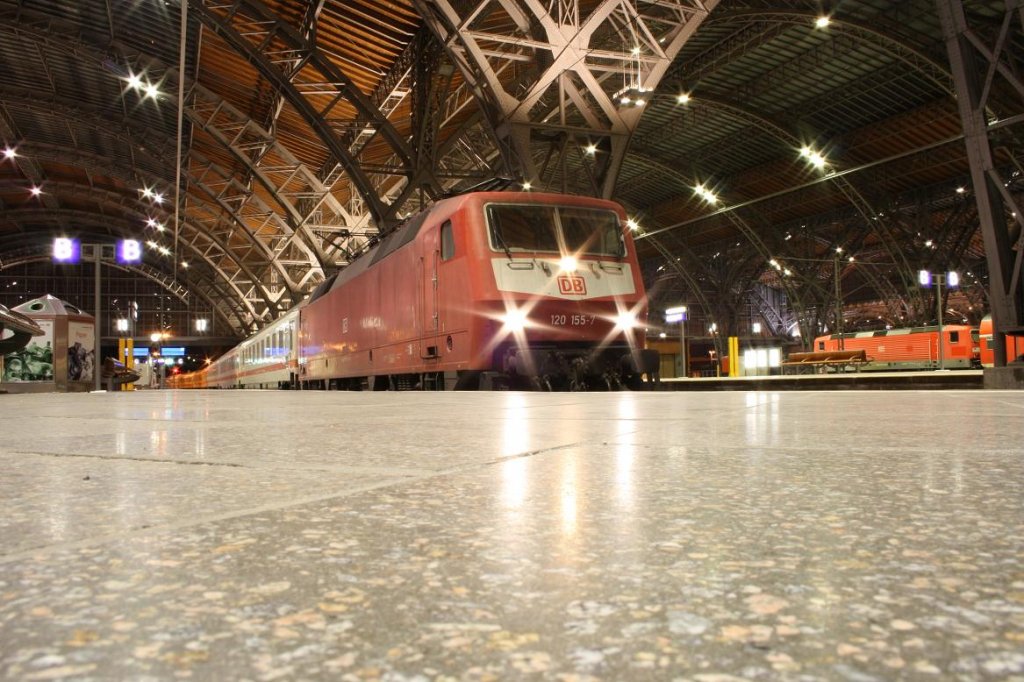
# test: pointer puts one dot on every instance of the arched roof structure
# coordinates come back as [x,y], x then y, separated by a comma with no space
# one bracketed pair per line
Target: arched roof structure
[305,128]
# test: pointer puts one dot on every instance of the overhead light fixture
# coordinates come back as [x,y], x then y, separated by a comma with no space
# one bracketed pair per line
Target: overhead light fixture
[591,149]
[632,224]
[9,153]
[152,91]
[527,185]
[682,98]
[822,21]
[816,159]
[134,82]
[706,194]
[36,190]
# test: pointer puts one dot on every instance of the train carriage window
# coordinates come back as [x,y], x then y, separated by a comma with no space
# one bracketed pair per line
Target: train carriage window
[447,241]
[821,345]
[954,337]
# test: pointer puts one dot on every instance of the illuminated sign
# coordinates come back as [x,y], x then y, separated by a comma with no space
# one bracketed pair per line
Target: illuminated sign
[129,252]
[166,351]
[677,314]
[66,250]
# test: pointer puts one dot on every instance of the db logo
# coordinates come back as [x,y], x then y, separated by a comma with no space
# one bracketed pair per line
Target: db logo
[572,285]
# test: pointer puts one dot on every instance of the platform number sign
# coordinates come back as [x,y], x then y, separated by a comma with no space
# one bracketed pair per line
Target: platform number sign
[66,250]
[129,252]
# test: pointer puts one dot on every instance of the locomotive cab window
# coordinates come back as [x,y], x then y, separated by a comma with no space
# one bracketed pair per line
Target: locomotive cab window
[554,229]
[954,337]
[447,241]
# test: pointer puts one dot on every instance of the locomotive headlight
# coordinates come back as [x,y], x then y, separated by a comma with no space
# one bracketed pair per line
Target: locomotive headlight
[568,264]
[625,320]
[514,320]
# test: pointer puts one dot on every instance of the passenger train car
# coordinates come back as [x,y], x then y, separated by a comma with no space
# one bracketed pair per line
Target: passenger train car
[911,348]
[1014,344]
[486,289]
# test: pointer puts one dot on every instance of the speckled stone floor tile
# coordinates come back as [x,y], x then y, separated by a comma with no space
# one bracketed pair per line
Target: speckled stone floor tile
[654,536]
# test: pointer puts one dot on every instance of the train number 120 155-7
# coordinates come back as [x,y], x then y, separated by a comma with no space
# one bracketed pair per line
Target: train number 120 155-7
[558,320]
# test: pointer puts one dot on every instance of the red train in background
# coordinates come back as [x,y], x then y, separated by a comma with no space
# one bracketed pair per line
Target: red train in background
[482,290]
[909,348]
[1014,344]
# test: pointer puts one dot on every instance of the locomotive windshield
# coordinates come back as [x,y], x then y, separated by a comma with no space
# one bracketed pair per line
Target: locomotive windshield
[568,229]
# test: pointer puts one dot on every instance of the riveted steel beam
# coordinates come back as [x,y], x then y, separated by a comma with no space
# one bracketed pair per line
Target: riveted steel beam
[982,64]
[577,75]
[313,84]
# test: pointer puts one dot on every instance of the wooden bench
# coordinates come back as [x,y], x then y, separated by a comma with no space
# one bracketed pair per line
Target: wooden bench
[115,374]
[823,360]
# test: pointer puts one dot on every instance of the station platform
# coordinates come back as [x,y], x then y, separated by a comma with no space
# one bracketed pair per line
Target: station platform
[210,535]
[834,381]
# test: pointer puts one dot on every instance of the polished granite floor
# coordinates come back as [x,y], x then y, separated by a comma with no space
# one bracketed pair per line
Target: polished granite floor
[626,536]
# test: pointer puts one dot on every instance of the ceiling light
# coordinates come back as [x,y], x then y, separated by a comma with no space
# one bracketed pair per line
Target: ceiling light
[706,194]
[9,153]
[816,159]
[158,198]
[527,185]
[960,190]
[152,91]
[150,222]
[822,22]
[134,81]
[591,149]
[633,225]
[36,191]
[682,98]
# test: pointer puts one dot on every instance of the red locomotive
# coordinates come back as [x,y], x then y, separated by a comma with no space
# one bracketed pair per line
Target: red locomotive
[486,289]
[1014,344]
[911,348]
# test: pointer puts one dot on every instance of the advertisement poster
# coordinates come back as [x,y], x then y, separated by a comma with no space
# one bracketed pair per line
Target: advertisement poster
[34,362]
[81,351]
